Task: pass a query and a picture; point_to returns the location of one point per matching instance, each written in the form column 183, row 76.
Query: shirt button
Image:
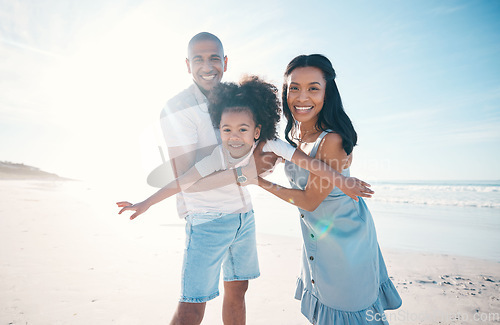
column 311, row 258
column 312, row 281
column 302, row 216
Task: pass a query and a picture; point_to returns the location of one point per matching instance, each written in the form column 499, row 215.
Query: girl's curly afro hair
column 252, row 94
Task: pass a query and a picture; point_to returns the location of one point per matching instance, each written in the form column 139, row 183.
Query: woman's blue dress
column 343, row 278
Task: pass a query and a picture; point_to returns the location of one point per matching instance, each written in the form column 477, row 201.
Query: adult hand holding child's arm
column 264, row 161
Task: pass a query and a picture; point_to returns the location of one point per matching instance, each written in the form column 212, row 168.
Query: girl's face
column 238, row 132
column 306, row 93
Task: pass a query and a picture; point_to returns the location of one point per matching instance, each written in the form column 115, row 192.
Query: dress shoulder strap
column 318, row 141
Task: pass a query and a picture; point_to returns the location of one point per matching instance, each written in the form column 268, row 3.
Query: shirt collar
column 201, row 99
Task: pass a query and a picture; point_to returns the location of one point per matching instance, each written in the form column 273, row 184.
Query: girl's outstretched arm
column 184, row 181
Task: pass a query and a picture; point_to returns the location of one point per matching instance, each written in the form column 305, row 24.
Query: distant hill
column 9, row 170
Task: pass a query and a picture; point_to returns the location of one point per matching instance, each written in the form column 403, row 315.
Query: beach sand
column 66, row 257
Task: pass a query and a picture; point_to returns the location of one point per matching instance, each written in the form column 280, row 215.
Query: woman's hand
column 139, row 208
column 353, row 187
column 264, row 161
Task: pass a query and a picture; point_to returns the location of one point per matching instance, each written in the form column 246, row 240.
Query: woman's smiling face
column 306, row 93
column 238, row 131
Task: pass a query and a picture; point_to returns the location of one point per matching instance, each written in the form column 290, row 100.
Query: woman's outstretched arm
column 351, row 186
column 332, row 154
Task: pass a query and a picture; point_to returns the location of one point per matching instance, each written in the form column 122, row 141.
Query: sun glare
column 113, row 84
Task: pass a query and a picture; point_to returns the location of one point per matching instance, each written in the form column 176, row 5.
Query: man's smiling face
column 207, row 63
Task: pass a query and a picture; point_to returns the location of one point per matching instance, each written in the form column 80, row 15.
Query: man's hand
column 353, row 187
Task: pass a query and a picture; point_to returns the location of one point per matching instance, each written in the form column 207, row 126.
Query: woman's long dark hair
column 332, row 115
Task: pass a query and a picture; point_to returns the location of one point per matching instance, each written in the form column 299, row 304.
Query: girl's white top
column 220, row 159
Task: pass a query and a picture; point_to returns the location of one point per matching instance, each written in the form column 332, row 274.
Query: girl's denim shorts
column 215, row 240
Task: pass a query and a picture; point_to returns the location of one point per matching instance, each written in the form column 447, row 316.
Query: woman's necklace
column 304, row 134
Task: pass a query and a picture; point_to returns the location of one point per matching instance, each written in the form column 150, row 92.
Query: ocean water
column 443, row 217
column 476, row 194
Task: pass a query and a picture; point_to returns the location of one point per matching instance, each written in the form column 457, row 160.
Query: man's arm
column 182, row 158
column 180, row 131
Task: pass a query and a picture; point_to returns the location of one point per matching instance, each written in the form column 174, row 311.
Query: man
column 190, row 136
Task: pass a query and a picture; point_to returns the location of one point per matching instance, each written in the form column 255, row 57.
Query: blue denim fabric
column 214, row 240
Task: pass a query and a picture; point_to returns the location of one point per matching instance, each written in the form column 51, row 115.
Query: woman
column 343, row 279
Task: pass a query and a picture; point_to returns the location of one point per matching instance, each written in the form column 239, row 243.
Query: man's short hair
column 204, row 36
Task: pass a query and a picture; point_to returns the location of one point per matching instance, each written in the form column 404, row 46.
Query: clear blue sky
column 82, row 82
